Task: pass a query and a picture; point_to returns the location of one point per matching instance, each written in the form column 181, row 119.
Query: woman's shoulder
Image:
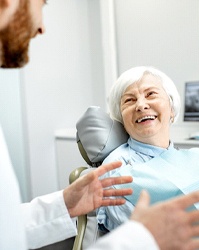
column 118, row 154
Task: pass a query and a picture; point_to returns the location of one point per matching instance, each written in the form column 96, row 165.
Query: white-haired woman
column 146, row 102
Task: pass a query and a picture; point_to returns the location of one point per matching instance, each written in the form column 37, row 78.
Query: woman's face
column 146, row 111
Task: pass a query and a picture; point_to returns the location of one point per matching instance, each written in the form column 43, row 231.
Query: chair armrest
column 82, row 220
column 74, row 175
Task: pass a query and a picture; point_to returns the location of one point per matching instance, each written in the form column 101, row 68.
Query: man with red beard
column 51, row 218
column 16, row 35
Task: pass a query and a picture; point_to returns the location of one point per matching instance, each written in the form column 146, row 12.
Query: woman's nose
column 142, row 105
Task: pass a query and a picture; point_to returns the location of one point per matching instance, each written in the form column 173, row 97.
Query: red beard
column 15, row 38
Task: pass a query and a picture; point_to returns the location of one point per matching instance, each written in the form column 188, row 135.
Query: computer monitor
column 191, row 102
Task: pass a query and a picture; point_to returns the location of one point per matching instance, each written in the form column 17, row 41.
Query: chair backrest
column 97, row 136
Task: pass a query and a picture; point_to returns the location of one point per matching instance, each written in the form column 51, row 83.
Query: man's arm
column 51, row 218
column 166, row 226
column 171, row 225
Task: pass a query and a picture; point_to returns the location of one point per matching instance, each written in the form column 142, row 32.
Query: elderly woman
column 146, row 102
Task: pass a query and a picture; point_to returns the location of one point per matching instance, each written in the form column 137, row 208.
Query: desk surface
column 180, row 135
column 177, row 138
column 186, row 142
column 68, row 133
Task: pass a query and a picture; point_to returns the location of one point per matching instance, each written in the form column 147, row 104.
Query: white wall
column 63, row 78
column 160, row 33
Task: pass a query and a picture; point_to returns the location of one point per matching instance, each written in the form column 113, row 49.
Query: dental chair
column 97, row 136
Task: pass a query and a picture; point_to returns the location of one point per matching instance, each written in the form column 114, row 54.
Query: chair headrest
column 98, row 135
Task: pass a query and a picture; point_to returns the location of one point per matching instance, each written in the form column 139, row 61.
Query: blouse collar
column 147, row 149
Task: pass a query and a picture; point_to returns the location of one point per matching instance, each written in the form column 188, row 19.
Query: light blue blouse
column 134, row 151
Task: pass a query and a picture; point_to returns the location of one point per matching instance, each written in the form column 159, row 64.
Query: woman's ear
column 172, row 115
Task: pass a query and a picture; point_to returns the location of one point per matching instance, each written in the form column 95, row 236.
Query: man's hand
column 88, row 192
column 171, row 225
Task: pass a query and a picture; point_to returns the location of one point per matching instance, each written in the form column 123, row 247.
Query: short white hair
column 133, row 75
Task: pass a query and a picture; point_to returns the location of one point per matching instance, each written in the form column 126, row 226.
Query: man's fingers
column 195, row 230
column 117, row 192
column 144, row 200
column 107, row 182
column 193, row 217
column 107, row 167
column 113, row 202
column 194, row 244
column 187, row 200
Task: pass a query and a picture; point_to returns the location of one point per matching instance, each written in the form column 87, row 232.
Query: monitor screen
column 191, row 104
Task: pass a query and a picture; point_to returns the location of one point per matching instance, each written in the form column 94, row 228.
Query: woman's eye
column 128, row 100
column 150, row 93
